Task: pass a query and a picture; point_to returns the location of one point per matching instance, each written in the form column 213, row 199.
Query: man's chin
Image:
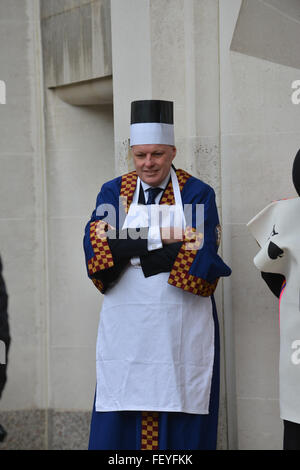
column 152, row 179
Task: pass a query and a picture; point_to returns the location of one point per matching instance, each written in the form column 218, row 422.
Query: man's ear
column 174, row 152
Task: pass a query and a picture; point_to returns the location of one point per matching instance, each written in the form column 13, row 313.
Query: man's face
column 153, row 162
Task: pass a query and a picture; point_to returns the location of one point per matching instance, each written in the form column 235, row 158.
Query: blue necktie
column 152, row 193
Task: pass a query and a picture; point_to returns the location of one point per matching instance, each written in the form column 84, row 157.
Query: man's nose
column 149, row 160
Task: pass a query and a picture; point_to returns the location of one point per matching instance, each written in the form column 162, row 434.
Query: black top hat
column 152, row 111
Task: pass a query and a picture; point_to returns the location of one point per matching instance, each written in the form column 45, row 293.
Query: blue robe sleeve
column 107, row 249
column 198, row 266
column 100, row 265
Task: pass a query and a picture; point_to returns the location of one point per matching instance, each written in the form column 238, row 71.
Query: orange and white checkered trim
column 149, row 440
column 168, row 196
column 102, row 258
column 179, row 275
column 99, row 284
column 128, row 186
column 182, row 177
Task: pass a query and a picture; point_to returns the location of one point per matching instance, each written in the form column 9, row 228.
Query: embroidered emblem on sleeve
column 218, row 234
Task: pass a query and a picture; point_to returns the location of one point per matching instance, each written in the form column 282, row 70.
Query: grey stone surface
column 25, row 429
column 265, row 31
column 55, row 7
column 68, row 430
column 76, row 41
column 45, row 430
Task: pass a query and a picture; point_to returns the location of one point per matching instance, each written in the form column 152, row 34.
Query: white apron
column 155, row 345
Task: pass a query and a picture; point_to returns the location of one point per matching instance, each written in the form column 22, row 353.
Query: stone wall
column 236, row 128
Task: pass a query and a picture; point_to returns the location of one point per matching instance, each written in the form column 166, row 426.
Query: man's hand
column 171, row 235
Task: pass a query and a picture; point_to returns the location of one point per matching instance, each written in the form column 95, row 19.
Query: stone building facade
column 70, row 70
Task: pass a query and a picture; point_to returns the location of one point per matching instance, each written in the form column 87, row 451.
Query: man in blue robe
column 158, row 338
